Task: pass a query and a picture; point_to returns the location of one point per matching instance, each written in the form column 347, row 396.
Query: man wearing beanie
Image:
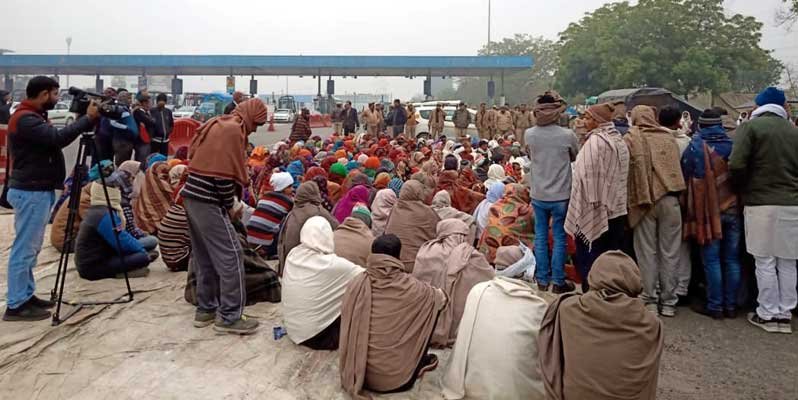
column 764, row 171
column 712, row 217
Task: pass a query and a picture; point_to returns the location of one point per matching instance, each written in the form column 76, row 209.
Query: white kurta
column 772, row 231
column 496, row 356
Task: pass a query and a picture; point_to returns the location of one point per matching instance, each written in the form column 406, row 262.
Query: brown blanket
column 387, row 318
column 353, row 241
column 413, row 221
column 603, row 344
column 153, row 202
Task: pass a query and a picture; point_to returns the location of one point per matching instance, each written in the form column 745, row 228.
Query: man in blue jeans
column 37, row 170
column 551, row 149
column 713, row 217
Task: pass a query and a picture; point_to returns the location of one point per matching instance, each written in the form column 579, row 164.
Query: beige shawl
column 381, row 208
column 412, row 221
column 603, row 344
column 353, row 241
column 449, row 262
column 496, row 355
column 442, row 205
column 387, row 318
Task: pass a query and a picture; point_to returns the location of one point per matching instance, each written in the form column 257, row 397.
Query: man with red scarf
column 37, row 170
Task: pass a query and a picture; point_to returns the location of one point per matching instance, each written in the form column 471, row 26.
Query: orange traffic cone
column 271, row 124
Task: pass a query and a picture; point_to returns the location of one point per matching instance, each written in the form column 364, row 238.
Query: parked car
column 60, row 115
column 184, row 112
column 206, row 111
column 283, row 115
column 424, row 112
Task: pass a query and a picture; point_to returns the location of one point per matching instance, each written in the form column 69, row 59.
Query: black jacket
column 5, row 113
column 35, row 148
column 349, row 118
column 230, row 107
column 142, row 117
column 164, row 122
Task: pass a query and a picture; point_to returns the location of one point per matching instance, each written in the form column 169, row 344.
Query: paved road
column 261, row 137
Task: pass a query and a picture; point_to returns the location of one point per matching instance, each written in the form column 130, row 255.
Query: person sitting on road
column 314, row 283
column 101, row 252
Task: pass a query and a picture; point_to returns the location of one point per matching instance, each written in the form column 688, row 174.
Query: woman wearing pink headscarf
column 343, row 209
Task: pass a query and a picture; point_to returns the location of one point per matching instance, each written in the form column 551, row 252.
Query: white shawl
column 314, row 282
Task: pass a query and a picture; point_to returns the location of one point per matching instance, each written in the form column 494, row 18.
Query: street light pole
column 69, row 46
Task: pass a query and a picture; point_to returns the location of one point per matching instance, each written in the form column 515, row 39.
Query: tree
column 687, row 46
column 788, row 16
column 519, row 87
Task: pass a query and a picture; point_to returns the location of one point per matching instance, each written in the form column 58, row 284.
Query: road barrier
column 316, row 121
column 182, row 133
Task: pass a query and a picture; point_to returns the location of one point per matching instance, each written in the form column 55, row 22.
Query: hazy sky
column 310, row 27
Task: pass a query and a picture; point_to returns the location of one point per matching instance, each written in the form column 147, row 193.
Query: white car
column 424, row 112
column 184, row 112
column 60, row 115
column 283, row 115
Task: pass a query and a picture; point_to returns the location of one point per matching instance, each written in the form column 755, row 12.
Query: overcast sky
column 310, row 27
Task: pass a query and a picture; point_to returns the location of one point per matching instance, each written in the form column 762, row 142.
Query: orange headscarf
column 219, row 147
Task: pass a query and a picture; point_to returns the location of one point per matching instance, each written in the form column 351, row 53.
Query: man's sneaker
column 203, row 318
column 653, row 308
column 543, row 288
column 785, row 325
column 244, row 326
column 566, row 287
column 767, row 326
column 26, row 312
column 703, row 310
column 136, row 273
column 730, row 313
column 668, row 311
column 684, row 301
column 41, row 303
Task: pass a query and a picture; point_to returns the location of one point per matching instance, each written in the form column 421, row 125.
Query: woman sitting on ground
column 101, row 252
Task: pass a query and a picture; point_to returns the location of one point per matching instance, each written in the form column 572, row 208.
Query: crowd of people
column 383, row 244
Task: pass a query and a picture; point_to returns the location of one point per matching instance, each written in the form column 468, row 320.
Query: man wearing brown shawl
column 387, row 320
column 655, row 184
column 603, row 344
column 597, row 208
column 218, row 169
column 353, row 237
column 450, row 262
column 413, row 221
column 307, row 204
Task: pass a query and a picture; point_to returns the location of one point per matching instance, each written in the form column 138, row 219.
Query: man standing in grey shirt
column 551, row 150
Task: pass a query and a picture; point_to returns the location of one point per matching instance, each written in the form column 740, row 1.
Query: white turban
column 281, row 180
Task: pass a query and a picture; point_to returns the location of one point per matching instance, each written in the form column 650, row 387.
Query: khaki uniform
column 504, row 123
column 436, row 121
column 481, row 123
column 523, row 121
column 371, row 119
column 410, row 125
column 491, row 119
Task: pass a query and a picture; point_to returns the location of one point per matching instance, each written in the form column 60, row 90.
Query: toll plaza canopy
column 263, row 65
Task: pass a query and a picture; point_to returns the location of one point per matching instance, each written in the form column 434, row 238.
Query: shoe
column 430, row 364
column 767, row 326
column 136, row 273
column 153, row 255
column 785, row 325
column 566, row 287
column 668, row 311
column 203, row 318
column 684, row 301
column 26, row 312
column 41, row 303
column 730, row 314
column 703, row 310
column 653, row 308
column 543, row 288
column 244, row 326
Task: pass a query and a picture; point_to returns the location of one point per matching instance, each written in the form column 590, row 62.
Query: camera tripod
column 86, row 148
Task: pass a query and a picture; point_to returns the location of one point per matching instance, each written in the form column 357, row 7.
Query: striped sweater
column 173, row 238
column 264, row 225
column 210, row 190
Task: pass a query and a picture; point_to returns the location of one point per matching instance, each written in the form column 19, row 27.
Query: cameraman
column 37, row 171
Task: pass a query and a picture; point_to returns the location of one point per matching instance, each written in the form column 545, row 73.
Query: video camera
column 106, row 105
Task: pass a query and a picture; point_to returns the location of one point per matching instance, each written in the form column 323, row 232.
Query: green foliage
column 521, row 87
column 687, row 46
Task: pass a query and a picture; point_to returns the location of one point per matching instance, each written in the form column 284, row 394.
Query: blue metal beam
column 262, row 65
